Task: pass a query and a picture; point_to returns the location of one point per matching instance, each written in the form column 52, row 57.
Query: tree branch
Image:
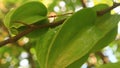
column 83, row 3
column 27, row 31
column 103, row 57
column 102, row 12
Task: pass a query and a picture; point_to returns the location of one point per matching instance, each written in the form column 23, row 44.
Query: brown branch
column 27, row 31
column 102, row 12
column 103, row 57
column 83, row 3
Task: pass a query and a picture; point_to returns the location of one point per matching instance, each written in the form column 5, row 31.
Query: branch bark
column 27, row 31
column 102, row 12
column 103, row 57
column 83, row 3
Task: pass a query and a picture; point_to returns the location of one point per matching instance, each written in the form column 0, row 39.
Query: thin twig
column 27, row 31
column 83, row 3
column 103, row 57
column 102, row 12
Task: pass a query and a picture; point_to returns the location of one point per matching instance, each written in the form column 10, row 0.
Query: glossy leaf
column 107, row 39
column 28, row 13
column 8, row 18
column 108, row 31
column 43, row 46
column 110, row 36
column 75, row 39
column 79, row 62
column 62, row 50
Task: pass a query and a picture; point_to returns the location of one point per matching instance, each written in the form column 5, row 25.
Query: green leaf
column 28, row 13
column 8, row 18
column 105, row 41
column 43, row 46
column 74, row 39
column 110, row 65
column 67, row 45
column 100, row 7
column 109, row 37
column 79, row 62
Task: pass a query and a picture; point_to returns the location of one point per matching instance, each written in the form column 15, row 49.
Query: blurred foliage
column 108, row 2
column 10, row 55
